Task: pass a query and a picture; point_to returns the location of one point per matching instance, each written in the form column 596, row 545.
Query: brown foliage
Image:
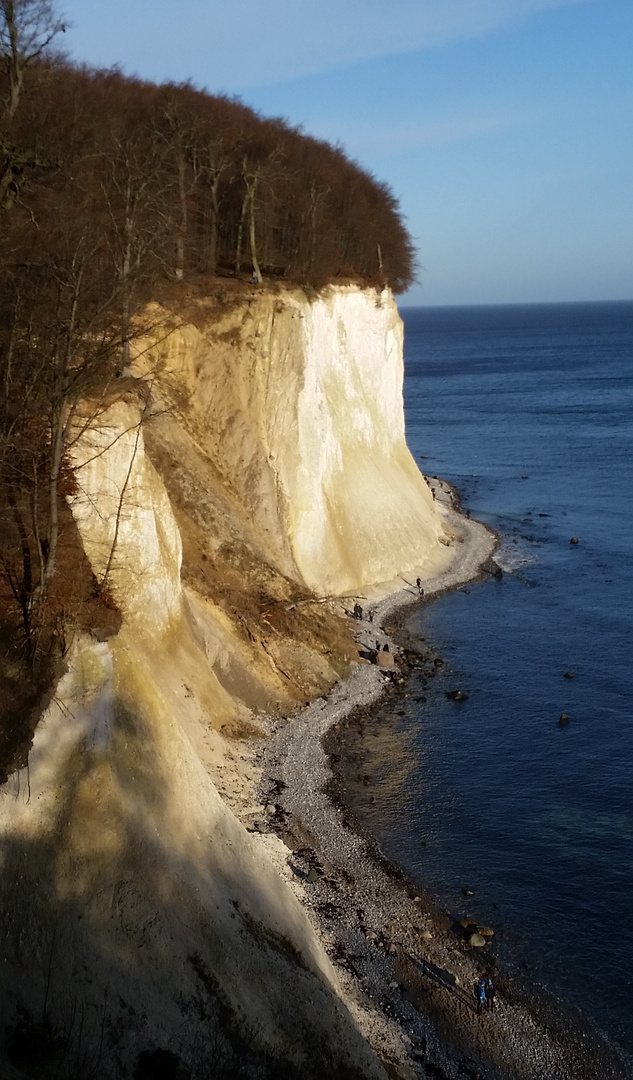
column 173, row 176
column 113, row 193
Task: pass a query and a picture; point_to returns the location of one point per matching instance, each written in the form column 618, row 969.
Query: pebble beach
column 407, row 970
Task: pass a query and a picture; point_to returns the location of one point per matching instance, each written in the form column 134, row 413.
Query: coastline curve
column 394, row 952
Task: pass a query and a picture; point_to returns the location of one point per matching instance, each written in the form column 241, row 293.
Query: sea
column 528, row 411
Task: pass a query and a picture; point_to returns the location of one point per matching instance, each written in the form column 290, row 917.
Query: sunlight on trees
column 113, row 193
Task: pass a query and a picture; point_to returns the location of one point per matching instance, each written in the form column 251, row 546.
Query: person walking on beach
column 480, row 994
column 490, row 993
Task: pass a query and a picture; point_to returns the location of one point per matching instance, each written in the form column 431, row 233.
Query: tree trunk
column 212, row 257
column 15, row 61
column 57, row 452
column 126, row 270
column 23, row 589
column 240, row 231
column 181, row 237
column 117, row 524
column 256, row 270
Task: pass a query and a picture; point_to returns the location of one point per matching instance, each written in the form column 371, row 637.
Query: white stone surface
column 125, row 519
column 299, row 404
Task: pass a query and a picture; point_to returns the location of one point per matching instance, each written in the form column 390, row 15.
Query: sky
column 504, row 127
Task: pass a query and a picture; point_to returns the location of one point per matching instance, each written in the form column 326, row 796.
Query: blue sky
column 504, row 127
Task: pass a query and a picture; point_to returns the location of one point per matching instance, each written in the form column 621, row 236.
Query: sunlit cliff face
column 268, row 440
column 299, row 404
column 359, row 511
column 124, row 517
column 259, row 451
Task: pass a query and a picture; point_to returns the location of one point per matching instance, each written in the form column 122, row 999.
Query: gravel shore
column 406, row 971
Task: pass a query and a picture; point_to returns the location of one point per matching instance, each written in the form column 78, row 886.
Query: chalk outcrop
column 299, row 404
column 256, row 457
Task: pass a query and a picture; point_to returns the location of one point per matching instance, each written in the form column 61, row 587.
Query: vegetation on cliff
column 114, row 193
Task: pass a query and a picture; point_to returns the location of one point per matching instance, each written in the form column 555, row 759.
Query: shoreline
column 404, row 974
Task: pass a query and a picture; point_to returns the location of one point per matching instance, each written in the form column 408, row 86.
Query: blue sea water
column 527, row 410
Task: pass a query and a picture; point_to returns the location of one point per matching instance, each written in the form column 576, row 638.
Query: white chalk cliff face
column 124, row 517
column 299, row 402
column 278, row 456
column 358, row 510
column 130, row 894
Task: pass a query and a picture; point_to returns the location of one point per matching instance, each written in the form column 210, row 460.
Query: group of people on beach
column 485, row 994
column 358, row 613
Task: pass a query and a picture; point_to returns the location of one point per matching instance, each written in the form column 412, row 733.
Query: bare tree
column 259, row 167
column 216, row 159
column 178, row 129
column 251, row 177
column 111, row 226
column 27, row 28
column 133, row 190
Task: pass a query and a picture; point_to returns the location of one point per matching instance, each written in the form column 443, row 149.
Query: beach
column 407, row 971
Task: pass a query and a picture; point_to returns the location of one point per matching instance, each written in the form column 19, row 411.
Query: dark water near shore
column 528, row 412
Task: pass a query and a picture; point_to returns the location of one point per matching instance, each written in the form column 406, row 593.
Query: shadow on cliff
column 123, row 957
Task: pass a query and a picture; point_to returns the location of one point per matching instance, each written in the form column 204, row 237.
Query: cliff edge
column 298, row 402
column 251, row 465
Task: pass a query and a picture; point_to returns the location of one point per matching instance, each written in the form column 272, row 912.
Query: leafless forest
column 114, row 193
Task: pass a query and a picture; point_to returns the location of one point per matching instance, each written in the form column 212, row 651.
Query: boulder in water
column 492, row 568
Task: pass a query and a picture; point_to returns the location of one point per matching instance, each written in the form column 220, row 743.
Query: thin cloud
column 259, row 42
column 306, row 39
column 368, row 138
column 363, row 140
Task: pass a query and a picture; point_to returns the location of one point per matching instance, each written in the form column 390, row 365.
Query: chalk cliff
column 255, row 457
column 299, row 404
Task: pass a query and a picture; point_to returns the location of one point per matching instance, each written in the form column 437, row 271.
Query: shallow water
column 527, row 410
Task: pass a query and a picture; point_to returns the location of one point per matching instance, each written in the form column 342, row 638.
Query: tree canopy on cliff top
column 114, row 193
column 184, row 183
